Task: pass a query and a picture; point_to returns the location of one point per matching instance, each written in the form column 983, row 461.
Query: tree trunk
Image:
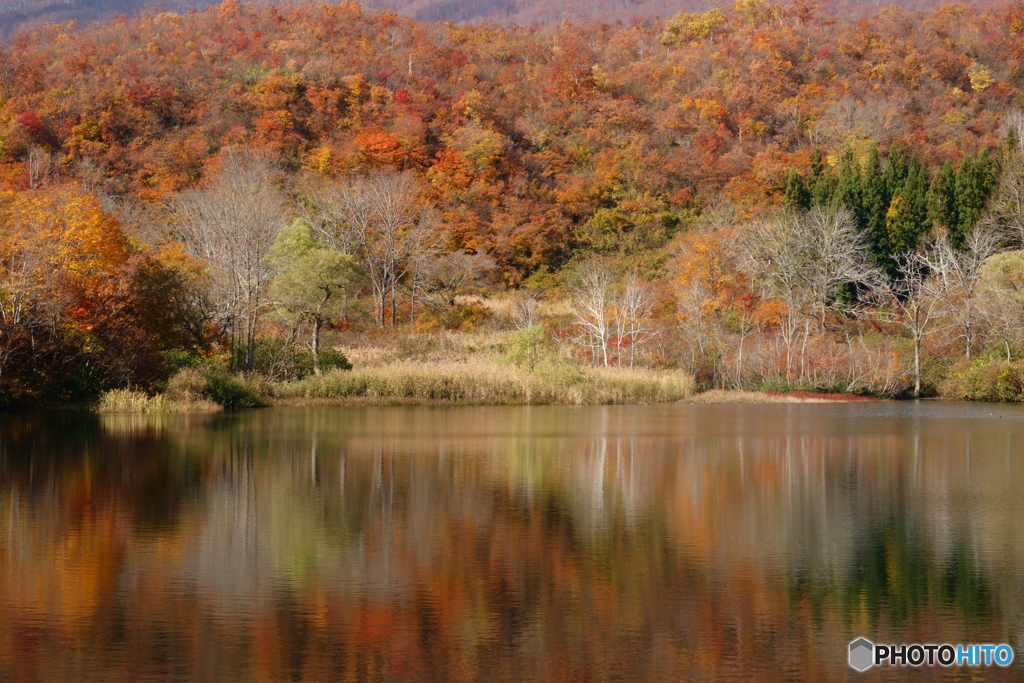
column 739, row 364
column 917, row 366
column 317, row 324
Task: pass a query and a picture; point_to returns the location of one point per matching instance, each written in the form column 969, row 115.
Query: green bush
column 279, row 361
column 212, row 383
column 231, row 392
column 529, row 346
column 986, row 380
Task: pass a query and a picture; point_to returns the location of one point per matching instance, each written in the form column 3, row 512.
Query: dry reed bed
column 480, row 381
column 132, row 401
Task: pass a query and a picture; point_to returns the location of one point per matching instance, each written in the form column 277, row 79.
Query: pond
column 631, row 543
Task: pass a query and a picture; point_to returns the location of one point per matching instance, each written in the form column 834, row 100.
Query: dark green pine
column 798, row 197
column 908, row 216
column 942, row 198
column 823, row 190
column 974, row 182
column 875, row 200
column 895, row 171
column 818, row 164
column 848, row 191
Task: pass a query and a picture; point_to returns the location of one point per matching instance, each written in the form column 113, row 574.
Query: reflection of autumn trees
column 506, row 544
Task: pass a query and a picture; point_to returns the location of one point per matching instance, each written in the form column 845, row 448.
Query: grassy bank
column 486, row 383
column 131, row 401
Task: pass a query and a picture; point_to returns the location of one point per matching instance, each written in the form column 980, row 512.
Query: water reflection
column 616, row 543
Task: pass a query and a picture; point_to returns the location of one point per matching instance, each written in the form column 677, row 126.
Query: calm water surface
column 668, row 543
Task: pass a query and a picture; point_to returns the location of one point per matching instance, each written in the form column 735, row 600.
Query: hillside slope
column 18, row 15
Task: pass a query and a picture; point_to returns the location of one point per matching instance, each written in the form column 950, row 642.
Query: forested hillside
column 494, row 159
column 19, row 15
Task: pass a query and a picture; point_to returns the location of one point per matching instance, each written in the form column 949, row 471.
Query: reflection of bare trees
column 324, row 543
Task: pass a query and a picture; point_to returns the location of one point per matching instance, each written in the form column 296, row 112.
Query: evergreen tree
column 895, row 171
column 974, row 181
column 822, row 183
column 907, row 217
column 942, row 198
column 798, row 197
column 817, row 163
column 1012, row 140
column 875, row 199
column 848, row 188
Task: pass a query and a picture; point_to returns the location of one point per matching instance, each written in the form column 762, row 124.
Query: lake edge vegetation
column 224, row 208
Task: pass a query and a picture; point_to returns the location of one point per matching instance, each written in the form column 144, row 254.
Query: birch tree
column 230, row 225
column 914, row 302
column 379, row 219
column 957, row 274
column 591, row 303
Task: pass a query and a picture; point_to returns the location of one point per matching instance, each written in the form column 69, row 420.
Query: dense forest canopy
column 534, row 142
column 529, row 149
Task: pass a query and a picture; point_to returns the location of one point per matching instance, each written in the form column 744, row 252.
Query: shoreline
column 711, row 397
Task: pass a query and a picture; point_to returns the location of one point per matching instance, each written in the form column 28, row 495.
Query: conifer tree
column 973, row 185
column 907, row 217
column 817, row 163
column 942, row 198
column 822, row 183
column 797, row 197
column 848, row 188
column 875, row 200
column 896, row 170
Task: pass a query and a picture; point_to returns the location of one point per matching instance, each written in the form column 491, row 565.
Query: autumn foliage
column 538, row 147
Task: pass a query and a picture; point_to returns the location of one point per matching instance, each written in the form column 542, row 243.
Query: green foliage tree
column 974, row 183
column 942, row 198
column 313, row 282
column 875, row 201
column 529, row 346
column 907, row 218
column 797, row 195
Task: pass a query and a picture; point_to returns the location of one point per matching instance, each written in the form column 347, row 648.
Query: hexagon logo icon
column 862, row 654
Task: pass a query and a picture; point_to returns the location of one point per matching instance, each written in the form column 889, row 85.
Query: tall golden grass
column 489, row 382
column 132, row 401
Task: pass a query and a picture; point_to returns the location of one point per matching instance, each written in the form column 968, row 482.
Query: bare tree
column 525, row 311
column 379, row 219
column 230, row 225
column 633, row 310
column 958, row 273
column 1005, row 212
column 38, row 166
column 913, row 301
column 802, row 259
column 443, row 277
column 592, row 303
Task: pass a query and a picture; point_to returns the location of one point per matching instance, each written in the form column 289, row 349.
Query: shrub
column 986, row 380
column 212, row 383
column 280, row 361
column 529, row 346
column 188, row 384
column 231, row 392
